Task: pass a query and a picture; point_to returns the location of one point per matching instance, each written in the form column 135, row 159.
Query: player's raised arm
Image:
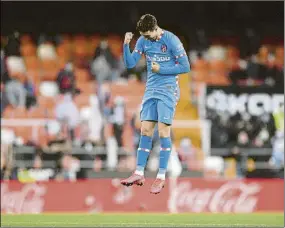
column 182, row 63
column 131, row 59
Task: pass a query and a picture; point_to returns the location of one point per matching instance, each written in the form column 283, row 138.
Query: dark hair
column 146, row 23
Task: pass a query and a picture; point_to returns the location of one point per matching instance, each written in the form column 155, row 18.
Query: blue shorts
column 159, row 105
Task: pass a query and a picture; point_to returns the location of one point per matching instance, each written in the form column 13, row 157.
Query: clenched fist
column 155, row 67
column 128, row 37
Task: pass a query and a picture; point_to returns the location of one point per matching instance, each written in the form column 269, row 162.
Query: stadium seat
column 62, row 61
column 80, row 50
column 115, row 44
column 25, row 39
column 263, row 54
column 38, row 112
column 279, row 52
column 32, row 62
column 63, row 50
column 33, row 68
column 232, row 52
column 49, row 69
column 28, row 49
column 46, row 102
column 279, row 55
column 87, row 87
column 81, row 75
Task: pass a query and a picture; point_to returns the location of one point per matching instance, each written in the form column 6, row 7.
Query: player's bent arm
column 181, row 67
column 131, row 59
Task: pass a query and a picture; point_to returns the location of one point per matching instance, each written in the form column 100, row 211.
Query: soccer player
column 166, row 58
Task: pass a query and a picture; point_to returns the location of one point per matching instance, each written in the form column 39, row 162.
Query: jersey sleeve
column 177, row 47
column 182, row 63
column 131, row 59
column 139, row 46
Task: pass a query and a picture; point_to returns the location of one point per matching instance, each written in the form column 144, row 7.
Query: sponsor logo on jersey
column 156, row 58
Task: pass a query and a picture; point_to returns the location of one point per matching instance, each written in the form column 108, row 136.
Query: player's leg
column 165, row 117
column 149, row 119
column 145, row 146
column 165, row 149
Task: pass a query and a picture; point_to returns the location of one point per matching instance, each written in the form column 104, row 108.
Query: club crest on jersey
column 163, row 48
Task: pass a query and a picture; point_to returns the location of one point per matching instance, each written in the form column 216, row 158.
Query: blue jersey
column 167, row 51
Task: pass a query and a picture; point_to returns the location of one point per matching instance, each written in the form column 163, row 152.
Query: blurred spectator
column 31, row 99
column 8, row 139
column 104, row 50
column 239, row 73
column 4, row 72
column 118, row 119
column 104, row 95
column 16, row 93
column 46, row 51
column 58, row 149
column 240, row 161
column 66, row 80
column 90, row 135
column 220, row 129
column 189, row 155
column 249, row 43
column 67, row 111
column 256, row 69
column 277, row 159
column 136, row 127
column 4, row 101
column 104, row 64
column 12, row 47
column 275, row 76
column 216, row 52
column 92, row 122
column 265, row 130
column 101, row 70
column 95, row 121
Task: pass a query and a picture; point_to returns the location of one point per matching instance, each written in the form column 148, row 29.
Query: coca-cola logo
column 236, row 196
column 29, row 199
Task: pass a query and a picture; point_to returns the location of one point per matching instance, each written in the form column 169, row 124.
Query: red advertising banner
column 107, row 195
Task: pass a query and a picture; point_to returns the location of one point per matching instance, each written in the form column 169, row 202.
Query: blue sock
column 143, row 153
column 164, row 154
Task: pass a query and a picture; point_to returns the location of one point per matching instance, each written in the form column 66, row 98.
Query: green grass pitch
column 145, row 220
